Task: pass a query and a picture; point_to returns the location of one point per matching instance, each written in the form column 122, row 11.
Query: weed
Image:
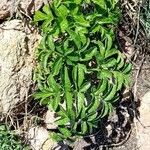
column 9, row 140
column 80, row 71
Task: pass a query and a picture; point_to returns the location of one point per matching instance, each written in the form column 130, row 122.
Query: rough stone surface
column 16, row 63
column 146, row 98
column 50, row 119
column 27, row 7
column 4, row 9
column 30, row 6
column 38, row 138
column 49, row 145
column 143, row 126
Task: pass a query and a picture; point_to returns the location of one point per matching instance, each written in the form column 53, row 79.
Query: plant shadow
column 114, row 130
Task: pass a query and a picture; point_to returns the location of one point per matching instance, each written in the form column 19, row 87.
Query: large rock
column 4, row 9
column 27, row 7
column 143, row 127
column 17, row 48
column 39, row 139
column 50, row 119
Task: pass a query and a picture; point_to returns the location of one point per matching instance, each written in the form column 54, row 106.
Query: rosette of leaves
column 80, row 72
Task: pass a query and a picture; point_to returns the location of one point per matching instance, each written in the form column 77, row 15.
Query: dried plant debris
column 145, row 16
column 131, row 34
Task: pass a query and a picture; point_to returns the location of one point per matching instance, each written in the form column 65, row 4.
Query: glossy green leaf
column 73, row 58
column 64, row 25
column 50, row 42
column 102, row 49
column 105, row 110
column 92, row 117
column 77, row 1
column 85, row 87
column 83, row 38
column 127, row 68
column 104, row 73
column 83, row 114
column 45, row 60
column 120, row 79
column 93, row 106
column 75, row 38
column 67, row 83
column 120, row 62
column 62, row 112
column 55, row 102
column 47, row 10
column 60, row 50
column 75, row 75
column 51, row 81
column 57, row 66
column 80, row 101
column 109, row 42
column 110, row 63
column 68, row 94
column 39, row 16
column 110, row 53
column 47, row 16
column 85, row 46
column 62, row 11
column 111, row 94
column 65, row 132
column 69, row 100
column 84, row 127
column 39, row 95
column 116, row 98
column 81, row 20
column 103, row 21
column 56, row 3
column 127, row 80
column 80, row 74
column 62, row 121
column 102, row 87
column 101, row 3
column 90, row 55
column 57, row 137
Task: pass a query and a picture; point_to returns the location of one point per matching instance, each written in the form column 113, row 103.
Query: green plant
column 80, row 71
column 9, row 140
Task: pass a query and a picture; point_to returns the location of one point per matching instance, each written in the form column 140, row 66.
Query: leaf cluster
column 9, row 140
column 80, row 71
